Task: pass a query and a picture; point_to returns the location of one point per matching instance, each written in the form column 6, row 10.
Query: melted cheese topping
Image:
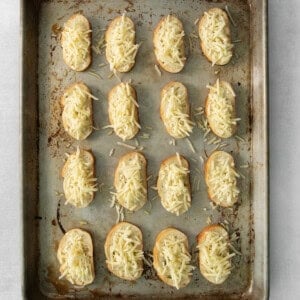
column 76, row 42
column 77, row 112
column 79, row 181
column 222, row 183
column 215, row 258
column 76, row 263
column 175, row 261
column 123, row 109
column 221, row 110
column 169, row 48
column 131, row 190
column 175, row 114
column 125, row 254
column 175, row 193
column 120, row 44
column 215, row 36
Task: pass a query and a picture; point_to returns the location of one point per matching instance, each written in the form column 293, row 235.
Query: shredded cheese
column 131, row 189
column 215, row 258
column 79, row 182
column 124, row 254
column 123, row 111
column 215, row 36
column 174, row 190
column 221, row 179
column 176, row 111
column 76, row 262
column 175, row 261
column 120, row 47
column 169, row 44
column 76, row 42
column 77, row 112
column 220, row 109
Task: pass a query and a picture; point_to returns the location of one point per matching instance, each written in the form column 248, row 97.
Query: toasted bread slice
column 124, row 251
column 123, row 111
column 215, row 37
column 121, row 49
column 77, row 115
column 76, row 42
column 168, row 40
column 175, row 110
column 131, row 181
column 75, row 255
column 214, row 255
column 220, row 178
column 171, row 258
column 220, row 109
column 173, row 184
column 79, row 182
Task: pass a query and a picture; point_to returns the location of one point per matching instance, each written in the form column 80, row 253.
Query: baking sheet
column 53, row 76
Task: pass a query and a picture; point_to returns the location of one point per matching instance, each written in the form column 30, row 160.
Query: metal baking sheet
column 44, row 77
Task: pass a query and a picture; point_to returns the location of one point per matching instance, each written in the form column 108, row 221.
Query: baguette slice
column 173, row 184
column 175, row 110
column 121, row 49
column 76, row 42
column 75, row 255
column 169, row 44
column 131, row 181
column 214, row 255
column 79, row 182
column 215, row 37
column 220, row 109
column 124, row 251
column 171, row 258
column 220, row 178
column 77, row 115
column 123, row 111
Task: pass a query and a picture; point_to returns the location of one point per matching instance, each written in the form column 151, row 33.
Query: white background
column 284, row 112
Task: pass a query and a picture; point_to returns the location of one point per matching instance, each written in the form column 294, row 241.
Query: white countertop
column 284, row 103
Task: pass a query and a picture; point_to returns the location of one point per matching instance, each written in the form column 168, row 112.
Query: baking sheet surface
column 99, row 217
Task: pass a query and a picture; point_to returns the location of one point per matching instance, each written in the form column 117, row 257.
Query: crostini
column 75, row 255
column 175, row 110
column 79, row 181
column 76, row 42
column 171, row 258
column 124, row 251
column 215, row 37
column 221, row 179
column 173, row 184
column 168, row 40
column 214, row 255
column 131, row 181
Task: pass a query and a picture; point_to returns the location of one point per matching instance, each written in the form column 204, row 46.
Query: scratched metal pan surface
column 44, row 142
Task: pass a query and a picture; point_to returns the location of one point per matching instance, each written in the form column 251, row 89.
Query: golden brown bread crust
column 88, row 239
column 163, row 105
column 89, row 156
column 156, row 251
column 160, row 183
column 143, row 161
column 111, row 96
column 207, row 166
column 108, row 243
column 108, row 33
column 82, row 86
column 88, row 61
column 227, row 31
column 167, row 67
column 212, row 125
